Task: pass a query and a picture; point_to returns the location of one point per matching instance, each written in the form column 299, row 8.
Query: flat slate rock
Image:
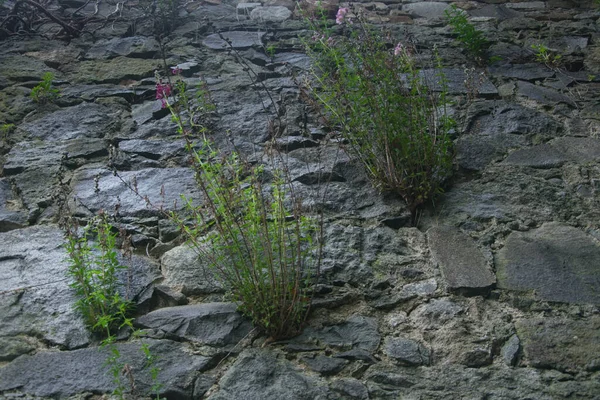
column 60, row 374
column 426, row 9
column 561, row 344
column 541, row 156
column 406, row 351
column 173, row 181
column 357, row 332
column 270, row 14
column 579, row 149
column 455, row 81
column 542, row 94
column 557, row 262
column 215, row 324
column 260, row 375
column 134, row 46
column 462, row 264
column 237, row 39
column 12, row 216
column 36, row 299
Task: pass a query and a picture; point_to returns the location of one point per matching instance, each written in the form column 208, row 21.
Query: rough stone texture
column 462, row 264
column 258, row 375
column 357, row 332
column 426, row 9
column 238, row 40
column 215, row 324
column 183, row 269
column 12, row 216
column 542, row 156
column 560, row 344
column 270, row 14
column 325, row 365
column 406, row 351
column 557, row 262
column 43, row 373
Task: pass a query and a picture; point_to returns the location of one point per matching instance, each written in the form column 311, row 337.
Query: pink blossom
column 175, row 70
column 163, row 90
column 341, row 15
column 399, row 49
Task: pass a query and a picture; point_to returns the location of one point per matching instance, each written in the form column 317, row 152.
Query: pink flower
column 341, row 15
column 175, row 70
column 399, row 49
column 163, row 90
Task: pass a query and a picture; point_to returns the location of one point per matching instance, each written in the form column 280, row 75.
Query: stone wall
column 494, row 295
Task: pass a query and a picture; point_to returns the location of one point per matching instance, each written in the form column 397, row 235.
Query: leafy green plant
column 6, row 130
column 546, row 56
column 250, row 227
column 93, row 268
column 385, row 108
column 472, row 39
column 44, row 92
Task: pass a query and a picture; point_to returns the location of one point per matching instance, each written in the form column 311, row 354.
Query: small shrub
column 546, row 56
column 6, row 130
column 93, row 268
column 472, row 39
column 44, row 92
column 385, row 107
column 250, row 227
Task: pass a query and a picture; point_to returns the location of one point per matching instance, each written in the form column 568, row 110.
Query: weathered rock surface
column 215, row 324
column 406, row 351
column 357, row 332
column 261, row 375
column 462, row 264
column 560, row 344
column 183, row 269
column 43, row 374
column 556, row 262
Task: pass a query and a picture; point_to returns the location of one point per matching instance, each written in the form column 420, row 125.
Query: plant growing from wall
column 249, row 226
column 44, row 92
column 546, row 56
column 385, row 107
column 473, row 40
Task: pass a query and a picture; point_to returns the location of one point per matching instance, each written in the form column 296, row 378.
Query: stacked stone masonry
column 494, row 295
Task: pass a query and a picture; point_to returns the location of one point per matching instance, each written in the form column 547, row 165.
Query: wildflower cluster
column 393, row 120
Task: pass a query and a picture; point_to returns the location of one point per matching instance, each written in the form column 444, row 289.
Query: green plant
column 44, row 92
column 546, row 56
column 6, row 130
column 93, row 268
column 385, row 107
column 250, row 227
column 472, row 39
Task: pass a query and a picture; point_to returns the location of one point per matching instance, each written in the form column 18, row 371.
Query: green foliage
column 6, row 130
column 250, row 228
column 93, row 268
column 472, row 39
column 546, row 56
column 44, row 92
column 386, row 109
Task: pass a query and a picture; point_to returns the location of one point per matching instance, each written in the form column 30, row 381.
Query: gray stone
column 87, row 120
column 500, row 12
column 184, row 269
column 13, row 347
column 154, row 149
column 455, row 79
column 477, row 358
column 543, row 95
column 527, row 5
column 357, row 332
column 36, row 299
column 237, row 39
column 133, row 46
column 260, row 375
column 435, row 312
column 560, row 344
column 426, row 9
column 542, row 156
column 418, row 289
column 324, row 365
column 12, row 214
column 172, row 182
column 350, row 388
column 462, row 264
column 510, row 350
column 475, row 152
column 527, row 72
column 578, row 149
column 406, row 351
column 357, row 355
column 557, row 262
column 270, row 14
column 214, row 324
column 60, row 374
